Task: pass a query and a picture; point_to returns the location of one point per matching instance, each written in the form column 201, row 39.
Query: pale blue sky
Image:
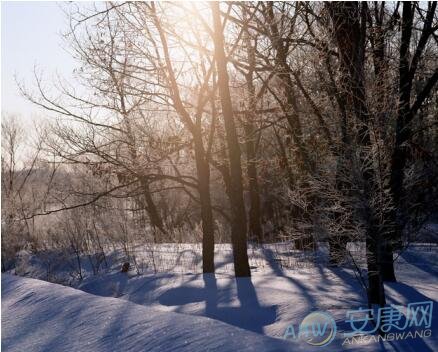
column 30, row 35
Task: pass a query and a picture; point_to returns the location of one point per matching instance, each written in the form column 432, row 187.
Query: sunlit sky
column 30, row 36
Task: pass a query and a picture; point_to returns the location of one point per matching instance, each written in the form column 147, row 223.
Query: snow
column 41, row 316
column 275, row 297
column 185, row 310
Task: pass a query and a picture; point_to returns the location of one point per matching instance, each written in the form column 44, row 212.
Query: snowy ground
column 275, row 296
column 41, row 316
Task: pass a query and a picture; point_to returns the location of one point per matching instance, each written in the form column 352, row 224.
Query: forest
column 269, row 131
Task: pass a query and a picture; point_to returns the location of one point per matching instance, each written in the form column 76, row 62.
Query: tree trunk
column 255, row 225
column 150, row 207
column 350, row 37
column 238, row 214
column 406, row 113
column 202, row 162
column 377, row 39
column 387, row 262
column 203, row 174
column 398, row 159
column 376, row 293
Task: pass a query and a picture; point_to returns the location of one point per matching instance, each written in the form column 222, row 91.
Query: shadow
column 276, row 267
column 182, row 295
column 413, row 345
column 417, row 261
column 250, row 315
column 211, row 299
column 111, row 285
column 349, row 279
column 409, row 293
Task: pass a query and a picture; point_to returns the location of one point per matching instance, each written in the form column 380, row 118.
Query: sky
column 30, row 36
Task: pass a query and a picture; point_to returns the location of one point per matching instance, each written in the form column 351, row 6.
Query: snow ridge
column 41, row 316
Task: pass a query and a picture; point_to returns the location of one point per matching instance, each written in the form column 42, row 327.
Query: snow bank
column 41, row 316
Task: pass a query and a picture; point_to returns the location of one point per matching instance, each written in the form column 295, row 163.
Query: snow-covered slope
column 40, row 316
column 271, row 299
column 132, row 312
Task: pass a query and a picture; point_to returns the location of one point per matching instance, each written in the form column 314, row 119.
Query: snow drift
column 40, row 316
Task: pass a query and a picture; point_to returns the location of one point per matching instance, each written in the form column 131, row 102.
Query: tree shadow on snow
column 250, row 315
column 418, row 261
column 278, row 270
